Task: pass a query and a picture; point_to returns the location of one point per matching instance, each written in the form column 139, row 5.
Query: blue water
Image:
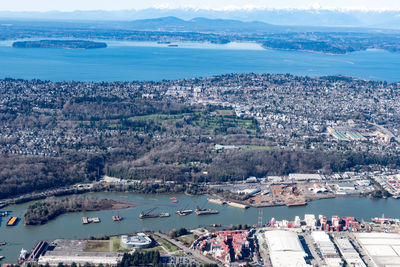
column 121, row 62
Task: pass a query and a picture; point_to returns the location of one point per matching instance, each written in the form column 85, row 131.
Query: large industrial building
column 349, row 254
column 138, row 241
column 73, row 251
column 382, row 248
column 285, row 249
column 305, row 176
column 327, row 249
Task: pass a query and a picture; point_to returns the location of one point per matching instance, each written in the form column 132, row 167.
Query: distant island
column 65, row 44
column 168, row 30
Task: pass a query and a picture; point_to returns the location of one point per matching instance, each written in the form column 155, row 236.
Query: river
column 70, row 226
column 128, row 61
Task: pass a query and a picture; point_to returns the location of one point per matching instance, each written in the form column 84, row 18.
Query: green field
column 166, row 244
column 156, row 248
column 159, row 118
column 97, row 246
column 204, row 121
column 187, row 239
column 116, row 241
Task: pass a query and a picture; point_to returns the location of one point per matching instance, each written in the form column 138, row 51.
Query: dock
column 216, row 201
column 38, row 250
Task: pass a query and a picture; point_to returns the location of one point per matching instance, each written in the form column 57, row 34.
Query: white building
column 248, row 191
column 297, row 221
column 141, row 240
column 327, row 249
column 382, row 248
column 350, row 255
column 285, row 249
column 304, row 176
column 310, row 220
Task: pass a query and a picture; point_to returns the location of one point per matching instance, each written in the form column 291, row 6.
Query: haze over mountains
column 298, row 17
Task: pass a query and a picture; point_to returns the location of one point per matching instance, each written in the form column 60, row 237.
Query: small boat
column 175, row 201
column 3, row 243
column 3, row 213
column 95, row 219
column 1, row 257
column 172, row 198
column 85, row 220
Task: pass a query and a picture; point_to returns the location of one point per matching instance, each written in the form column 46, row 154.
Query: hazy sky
column 70, row 5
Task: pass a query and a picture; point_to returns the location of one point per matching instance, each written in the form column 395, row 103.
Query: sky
column 72, row 5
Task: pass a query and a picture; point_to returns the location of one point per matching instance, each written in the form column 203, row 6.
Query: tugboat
column 23, row 256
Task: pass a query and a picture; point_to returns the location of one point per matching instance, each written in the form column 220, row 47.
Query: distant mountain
column 297, row 17
column 200, row 25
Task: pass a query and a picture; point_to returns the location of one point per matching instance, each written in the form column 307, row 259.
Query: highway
column 193, row 252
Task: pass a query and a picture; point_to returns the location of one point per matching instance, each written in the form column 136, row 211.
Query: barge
column 199, row 211
column 296, row 204
column 184, row 212
column 12, row 221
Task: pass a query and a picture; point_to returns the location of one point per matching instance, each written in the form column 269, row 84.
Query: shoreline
column 76, row 192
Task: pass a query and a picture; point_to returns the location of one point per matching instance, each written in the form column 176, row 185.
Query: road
column 263, row 249
column 317, row 261
column 194, row 253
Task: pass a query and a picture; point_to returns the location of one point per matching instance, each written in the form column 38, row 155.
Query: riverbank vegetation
column 43, row 211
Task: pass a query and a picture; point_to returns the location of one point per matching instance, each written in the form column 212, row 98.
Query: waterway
column 70, row 226
column 128, row 61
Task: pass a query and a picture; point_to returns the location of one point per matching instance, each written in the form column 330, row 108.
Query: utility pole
column 260, row 217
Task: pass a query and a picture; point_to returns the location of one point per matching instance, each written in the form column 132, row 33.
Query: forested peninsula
column 44, row 211
column 65, row 44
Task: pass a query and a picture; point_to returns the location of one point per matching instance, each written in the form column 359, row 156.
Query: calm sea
column 127, row 61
